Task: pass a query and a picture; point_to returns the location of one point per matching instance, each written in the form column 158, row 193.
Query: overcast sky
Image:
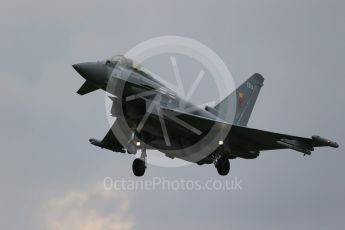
column 51, row 177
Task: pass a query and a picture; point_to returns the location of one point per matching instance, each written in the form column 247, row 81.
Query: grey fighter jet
column 149, row 115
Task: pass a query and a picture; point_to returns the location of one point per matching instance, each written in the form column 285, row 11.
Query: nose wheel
column 139, row 164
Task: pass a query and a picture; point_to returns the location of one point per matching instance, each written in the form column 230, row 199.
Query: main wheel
column 223, row 166
column 138, row 167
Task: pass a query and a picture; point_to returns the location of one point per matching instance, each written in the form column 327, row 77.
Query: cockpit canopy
column 123, row 61
column 127, row 63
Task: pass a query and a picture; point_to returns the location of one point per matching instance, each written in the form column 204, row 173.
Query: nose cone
column 92, row 71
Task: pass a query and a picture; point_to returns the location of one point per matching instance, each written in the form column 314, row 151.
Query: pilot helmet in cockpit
column 120, row 60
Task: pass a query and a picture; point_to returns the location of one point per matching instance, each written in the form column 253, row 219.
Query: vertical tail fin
column 243, row 98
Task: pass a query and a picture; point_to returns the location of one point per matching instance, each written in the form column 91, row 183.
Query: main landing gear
column 223, row 166
column 139, row 164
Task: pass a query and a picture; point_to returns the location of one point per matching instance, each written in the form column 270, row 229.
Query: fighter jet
column 149, row 115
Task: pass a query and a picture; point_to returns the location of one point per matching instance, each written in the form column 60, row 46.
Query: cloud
column 96, row 209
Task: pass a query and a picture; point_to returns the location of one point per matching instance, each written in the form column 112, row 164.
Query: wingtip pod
column 325, row 141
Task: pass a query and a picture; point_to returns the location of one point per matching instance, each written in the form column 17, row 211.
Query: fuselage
column 141, row 95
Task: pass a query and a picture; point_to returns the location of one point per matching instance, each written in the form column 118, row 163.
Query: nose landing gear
column 139, row 164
